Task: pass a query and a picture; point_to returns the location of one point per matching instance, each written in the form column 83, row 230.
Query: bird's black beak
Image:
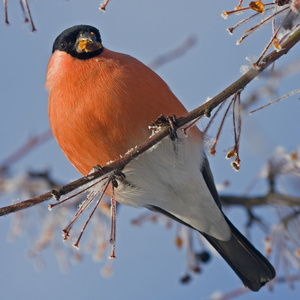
column 87, row 42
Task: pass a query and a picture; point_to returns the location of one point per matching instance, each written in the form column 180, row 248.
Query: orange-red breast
column 100, row 106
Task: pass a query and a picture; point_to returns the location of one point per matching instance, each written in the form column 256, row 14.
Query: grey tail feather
column 248, row 263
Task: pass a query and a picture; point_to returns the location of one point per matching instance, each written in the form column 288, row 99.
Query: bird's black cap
column 80, row 41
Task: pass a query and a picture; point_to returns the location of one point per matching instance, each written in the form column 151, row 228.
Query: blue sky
column 148, row 265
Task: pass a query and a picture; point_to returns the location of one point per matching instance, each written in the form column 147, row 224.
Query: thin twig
column 103, row 6
column 242, row 290
column 173, row 54
column 25, row 148
column 5, row 12
column 24, row 12
column 29, row 15
column 275, row 101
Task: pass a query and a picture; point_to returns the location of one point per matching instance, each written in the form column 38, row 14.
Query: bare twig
column 277, row 100
column 175, row 53
column 271, row 198
column 103, row 6
column 5, row 12
column 206, row 109
column 24, row 149
column 29, row 15
column 240, row 291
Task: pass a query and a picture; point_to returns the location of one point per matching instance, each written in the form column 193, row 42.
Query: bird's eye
column 63, row 46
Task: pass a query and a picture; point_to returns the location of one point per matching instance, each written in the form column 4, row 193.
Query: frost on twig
column 284, row 17
column 234, row 106
column 103, row 5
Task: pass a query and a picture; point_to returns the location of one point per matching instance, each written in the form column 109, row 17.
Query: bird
column 100, row 106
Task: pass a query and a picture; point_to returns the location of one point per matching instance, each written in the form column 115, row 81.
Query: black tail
column 249, row 264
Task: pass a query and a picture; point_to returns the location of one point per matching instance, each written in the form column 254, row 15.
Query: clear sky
column 148, row 265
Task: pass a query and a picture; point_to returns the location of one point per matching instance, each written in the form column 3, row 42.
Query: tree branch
column 206, row 109
column 271, row 198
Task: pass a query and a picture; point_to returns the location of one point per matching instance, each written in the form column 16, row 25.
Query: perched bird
column 100, row 106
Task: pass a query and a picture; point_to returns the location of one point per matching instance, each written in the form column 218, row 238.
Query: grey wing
column 209, row 180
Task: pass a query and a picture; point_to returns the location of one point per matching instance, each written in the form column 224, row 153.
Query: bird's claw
column 170, row 121
column 173, row 127
column 117, row 175
column 96, row 169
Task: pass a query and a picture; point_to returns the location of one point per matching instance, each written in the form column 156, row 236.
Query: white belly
column 168, row 176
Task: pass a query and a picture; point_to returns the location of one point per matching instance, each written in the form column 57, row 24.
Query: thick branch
column 206, row 109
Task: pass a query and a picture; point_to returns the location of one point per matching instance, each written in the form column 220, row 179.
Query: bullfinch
column 100, row 106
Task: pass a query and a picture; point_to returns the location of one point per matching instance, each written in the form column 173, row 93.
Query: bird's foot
column 118, row 175
column 95, row 169
column 170, row 121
